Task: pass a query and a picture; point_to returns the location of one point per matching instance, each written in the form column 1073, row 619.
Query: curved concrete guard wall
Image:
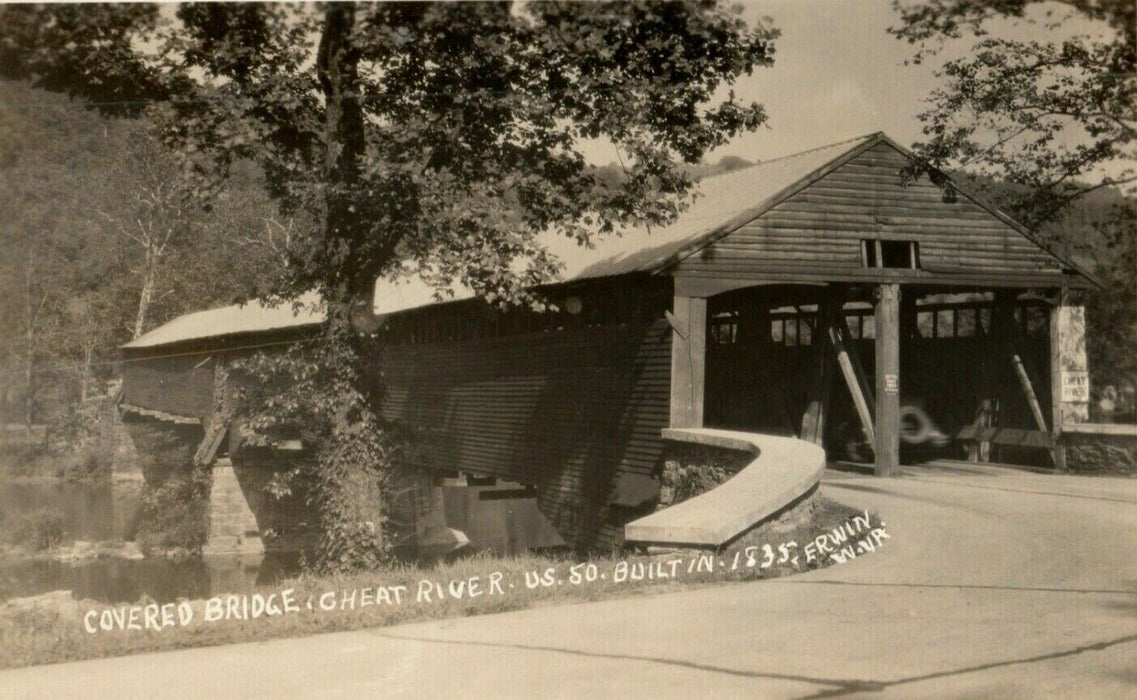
column 783, row 470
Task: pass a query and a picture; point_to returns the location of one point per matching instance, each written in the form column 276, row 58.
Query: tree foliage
column 1044, row 97
column 1112, row 312
column 436, row 139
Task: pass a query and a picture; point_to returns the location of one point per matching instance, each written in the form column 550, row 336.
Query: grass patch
column 55, row 633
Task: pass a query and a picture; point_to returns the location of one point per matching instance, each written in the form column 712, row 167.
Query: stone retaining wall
column 1106, row 450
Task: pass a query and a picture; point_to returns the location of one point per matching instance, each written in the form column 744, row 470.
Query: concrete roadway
column 994, row 584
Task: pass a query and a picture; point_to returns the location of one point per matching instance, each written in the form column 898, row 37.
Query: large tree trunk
column 85, row 379
column 352, row 498
column 29, row 382
column 338, row 66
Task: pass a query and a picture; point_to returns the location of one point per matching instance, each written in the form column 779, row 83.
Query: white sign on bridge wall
column 1075, row 386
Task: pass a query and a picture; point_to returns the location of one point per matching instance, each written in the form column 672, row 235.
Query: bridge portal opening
column 766, row 368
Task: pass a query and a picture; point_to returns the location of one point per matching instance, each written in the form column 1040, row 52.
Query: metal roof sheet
column 719, row 201
column 252, row 317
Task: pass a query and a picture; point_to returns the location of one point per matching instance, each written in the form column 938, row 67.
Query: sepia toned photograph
column 544, row 349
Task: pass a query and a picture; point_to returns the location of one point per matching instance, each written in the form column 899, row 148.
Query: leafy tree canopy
column 438, row 138
column 1039, row 103
column 1044, row 98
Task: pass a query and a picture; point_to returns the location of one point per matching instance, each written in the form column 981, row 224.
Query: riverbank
column 57, row 628
column 38, row 514
column 76, row 552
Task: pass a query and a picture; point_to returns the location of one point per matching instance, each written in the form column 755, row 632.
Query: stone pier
column 233, row 528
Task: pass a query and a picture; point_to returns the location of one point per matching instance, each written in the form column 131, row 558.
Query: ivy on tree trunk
column 351, row 501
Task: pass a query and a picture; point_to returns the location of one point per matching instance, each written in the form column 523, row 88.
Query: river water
column 102, row 513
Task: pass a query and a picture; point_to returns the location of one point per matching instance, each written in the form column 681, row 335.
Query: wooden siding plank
column 872, row 203
column 566, row 410
column 815, row 234
column 178, row 385
column 728, row 261
column 762, row 231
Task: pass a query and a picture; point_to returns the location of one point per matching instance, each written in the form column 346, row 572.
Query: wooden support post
column 988, row 408
column 848, row 359
column 1002, row 325
column 1059, row 453
column 813, row 420
column 887, row 316
column 688, row 361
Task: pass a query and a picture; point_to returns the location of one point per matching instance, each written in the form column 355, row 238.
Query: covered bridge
column 815, row 296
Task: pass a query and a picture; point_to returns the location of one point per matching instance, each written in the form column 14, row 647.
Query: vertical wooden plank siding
column 180, row 384
column 887, row 317
column 568, row 410
column 688, row 362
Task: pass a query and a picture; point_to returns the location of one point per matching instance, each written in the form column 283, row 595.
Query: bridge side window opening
column 859, row 320
column 899, row 255
column 793, row 326
column 724, row 328
column 972, row 320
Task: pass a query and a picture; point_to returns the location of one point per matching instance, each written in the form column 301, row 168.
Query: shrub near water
column 89, row 465
column 174, row 507
column 38, row 529
column 23, row 460
column 174, row 515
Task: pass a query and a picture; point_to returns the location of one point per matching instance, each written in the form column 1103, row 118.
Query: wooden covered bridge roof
column 797, row 218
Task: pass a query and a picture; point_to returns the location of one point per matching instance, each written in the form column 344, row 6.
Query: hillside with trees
column 98, row 245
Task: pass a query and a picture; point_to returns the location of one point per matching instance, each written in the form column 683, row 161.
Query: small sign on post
column 891, row 384
column 1075, row 386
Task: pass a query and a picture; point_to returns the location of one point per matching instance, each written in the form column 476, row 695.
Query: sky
column 837, row 74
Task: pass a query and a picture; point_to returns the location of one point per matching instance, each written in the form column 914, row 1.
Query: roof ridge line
column 862, row 137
